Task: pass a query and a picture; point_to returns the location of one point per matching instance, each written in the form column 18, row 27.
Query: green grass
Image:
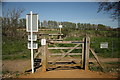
column 113, row 45
column 111, row 51
column 13, row 48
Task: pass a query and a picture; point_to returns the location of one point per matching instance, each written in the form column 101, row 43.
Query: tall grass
column 111, row 51
column 13, row 48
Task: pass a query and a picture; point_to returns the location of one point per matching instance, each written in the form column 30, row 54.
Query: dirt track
column 16, row 65
column 23, row 65
column 67, row 74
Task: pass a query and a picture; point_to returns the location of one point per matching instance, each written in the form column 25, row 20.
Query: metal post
column 32, row 61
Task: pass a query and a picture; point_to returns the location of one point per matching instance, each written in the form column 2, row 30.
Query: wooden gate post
column 82, row 66
column 44, row 55
column 87, row 47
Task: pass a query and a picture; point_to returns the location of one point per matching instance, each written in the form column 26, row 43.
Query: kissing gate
column 55, row 53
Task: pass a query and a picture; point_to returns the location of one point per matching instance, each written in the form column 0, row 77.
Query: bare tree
column 13, row 16
column 110, row 7
column 10, row 20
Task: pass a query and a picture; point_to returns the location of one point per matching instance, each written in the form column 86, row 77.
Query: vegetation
column 108, row 67
column 113, row 8
column 14, row 44
column 112, row 50
column 14, row 48
column 10, row 22
column 14, row 40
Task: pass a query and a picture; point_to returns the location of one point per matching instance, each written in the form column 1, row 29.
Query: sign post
column 44, row 55
column 32, row 26
column 32, row 60
column 60, row 26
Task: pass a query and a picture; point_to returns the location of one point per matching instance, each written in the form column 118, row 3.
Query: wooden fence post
column 82, row 66
column 87, row 47
column 44, row 55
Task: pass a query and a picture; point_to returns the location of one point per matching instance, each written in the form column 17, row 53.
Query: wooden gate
column 66, row 54
column 80, row 59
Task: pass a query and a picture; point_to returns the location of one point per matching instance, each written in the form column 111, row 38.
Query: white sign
column 35, row 46
column 104, row 45
column 34, row 37
column 34, row 23
column 60, row 26
column 43, row 41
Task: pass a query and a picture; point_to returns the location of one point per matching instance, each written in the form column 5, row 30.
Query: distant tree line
column 21, row 23
column 70, row 25
column 11, row 21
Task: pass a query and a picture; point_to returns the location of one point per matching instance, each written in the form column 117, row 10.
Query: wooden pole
column 44, row 56
column 96, row 57
column 87, row 46
column 44, row 59
column 82, row 66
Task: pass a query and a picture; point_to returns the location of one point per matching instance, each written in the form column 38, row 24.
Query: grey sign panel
column 35, row 45
column 34, row 23
column 104, row 45
column 34, row 37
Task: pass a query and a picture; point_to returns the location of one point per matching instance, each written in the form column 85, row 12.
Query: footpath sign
column 43, row 41
column 104, row 45
column 34, row 22
column 34, row 38
column 35, row 45
column 32, row 26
